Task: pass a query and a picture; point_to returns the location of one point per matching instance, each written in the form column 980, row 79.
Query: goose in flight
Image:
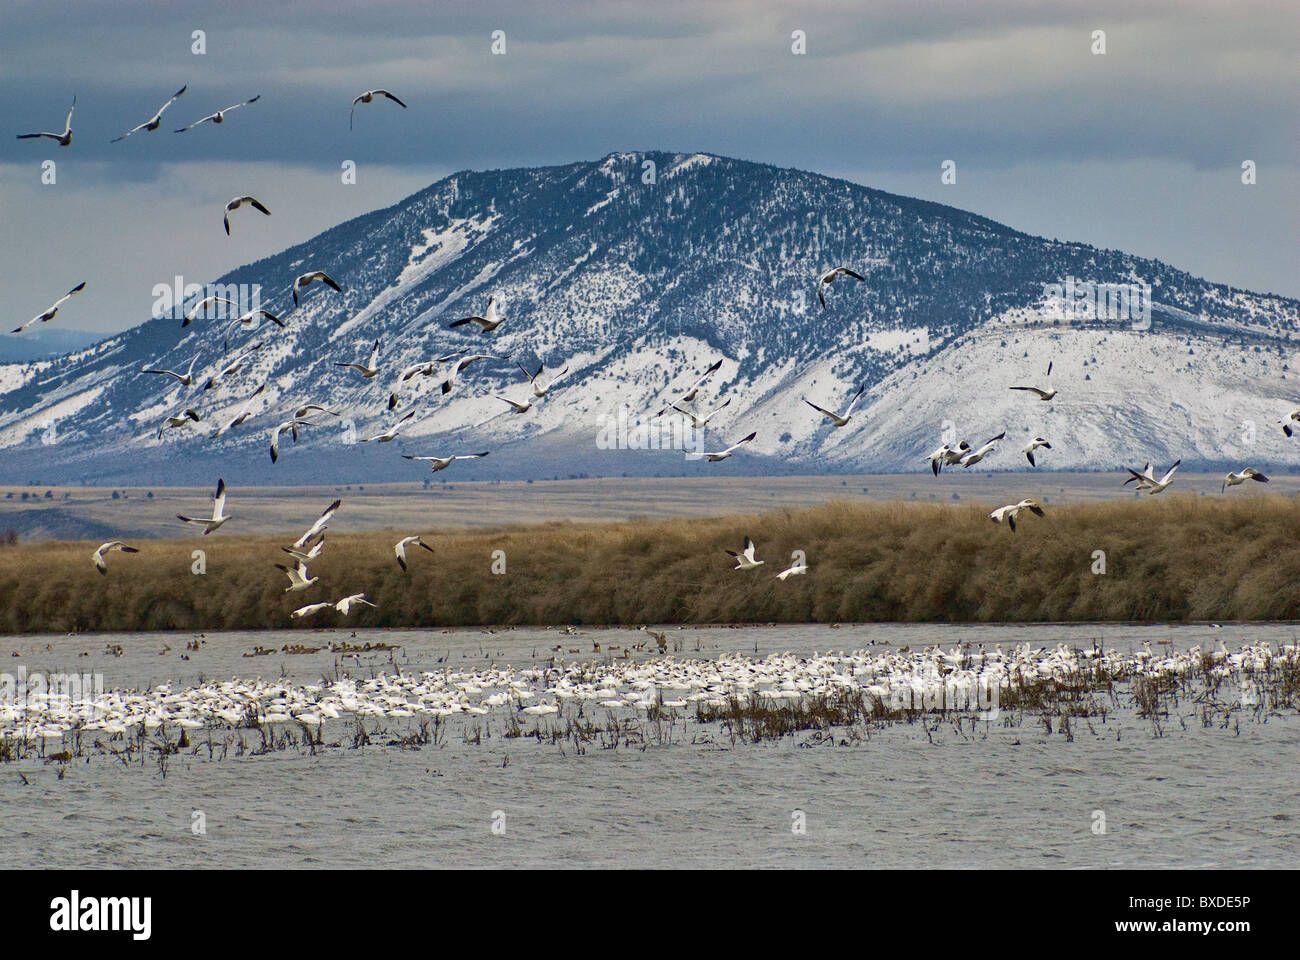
column 486, row 323
column 975, row 456
column 298, row 577
column 368, row 96
column 310, row 554
column 219, row 116
column 460, row 366
column 233, row 367
column 238, row 419
column 442, row 463
column 836, row 418
column 798, row 568
column 828, row 278
column 309, row 609
column 369, row 369
column 391, row 432
column 307, row 408
column 321, row 523
column 289, row 426
column 203, row 305
column 109, row 547
column 427, row 368
column 154, row 122
column 1011, row 510
column 1041, row 394
column 218, row 511
column 947, row 455
column 345, row 605
column 1147, row 481
column 186, row 379
column 539, row 391
column 1033, row 445
column 238, row 202
column 399, row 548
column 518, row 407
column 1293, row 417
column 1250, row 473
column 252, row 318
column 723, row 454
column 691, row 391
column 54, row 308
column 311, row 277
column 179, row 420
column 62, row 139
column 745, row 559
column 699, row 422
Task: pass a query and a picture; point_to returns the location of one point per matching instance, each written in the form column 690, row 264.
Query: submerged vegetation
column 1181, row 558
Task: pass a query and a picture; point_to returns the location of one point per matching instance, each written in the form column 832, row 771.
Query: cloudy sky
column 1139, row 149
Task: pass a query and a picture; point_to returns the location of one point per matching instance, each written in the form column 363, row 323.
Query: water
column 1003, row 796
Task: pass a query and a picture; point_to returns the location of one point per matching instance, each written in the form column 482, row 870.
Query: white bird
column 298, row 577
column 723, row 454
column 218, row 511
column 828, row 278
column 233, row 367
column 442, row 463
column 203, row 305
column 427, row 368
column 1041, row 394
column 518, row 407
column 947, row 455
column 399, row 548
column 310, row 554
column 219, row 116
column 1011, row 510
column 460, row 366
column 179, row 420
column 745, row 559
column 1146, row 480
column 54, row 308
column 310, row 277
column 311, row 608
column 307, row 408
column 251, row 319
column 154, row 122
column 697, row 421
column 368, row 96
column 837, row 418
column 238, row 419
column 345, row 605
column 369, row 369
column 795, row 569
column 62, row 139
column 107, row 548
column 186, row 379
column 1250, row 473
column 289, row 426
column 1034, row 444
column 1145, row 475
column 321, row 523
column 238, row 202
column 1293, row 417
column 975, row 456
column 690, row 393
column 486, row 323
column 391, row 432
column 538, row 391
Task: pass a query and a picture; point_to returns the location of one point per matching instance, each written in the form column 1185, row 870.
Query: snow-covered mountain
column 636, row 272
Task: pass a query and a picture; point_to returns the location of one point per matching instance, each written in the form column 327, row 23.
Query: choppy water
column 1005, row 796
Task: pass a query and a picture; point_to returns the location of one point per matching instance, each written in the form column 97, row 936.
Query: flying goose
column 1293, row 417
column 399, row 548
column 391, row 432
column 745, row 559
column 238, row 202
column 186, row 379
column 179, row 420
column 540, row 392
column 487, row 323
column 1011, row 510
column 368, row 96
column 427, row 368
column 795, row 569
column 1034, row 444
column 54, row 308
column 698, row 422
column 298, row 578
column 1041, row 394
column 723, row 454
column 1146, row 480
column 310, row 554
column 838, row 419
column 202, row 305
column 828, row 278
column 251, row 318
column 244, row 413
column 518, row 407
column 307, row 408
column 233, row 367
column 289, row 426
column 62, row 139
column 218, row 516
column 975, row 456
column 154, row 122
column 947, row 455
column 104, row 548
column 309, row 609
column 1233, row 479
column 311, row 277
column 690, row 393
column 442, row 463
column 321, row 523
column 219, row 116
column 345, row 605
column 460, row 366
column 369, row 369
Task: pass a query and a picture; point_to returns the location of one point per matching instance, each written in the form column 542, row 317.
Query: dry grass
column 1180, row 558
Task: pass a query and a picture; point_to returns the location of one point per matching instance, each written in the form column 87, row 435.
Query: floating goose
column 310, row 608
column 947, row 455
column 54, row 308
column 723, row 454
column 368, row 96
column 104, row 548
column 179, row 420
column 1034, row 444
column 186, row 379
column 1146, row 480
column 345, row 605
column 442, row 463
column 1250, row 473
column 975, row 456
column 321, row 523
column 690, row 393
column 202, row 305
column 795, row 569
column 1011, row 510
column 540, row 392
column 238, row 202
column 1040, row 393
column 62, row 139
column 460, row 366
column 399, row 548
column 311, row 277
column 289, row 426
column 233, row 367
column 391, row 432
column 828, row 278
column 154, row 122
column 745, row 559
column 370, row 369
column 487, row 323
column 838, row 419
column 518, row 407
column 238, row 419
column 298, row 578
column 219, row 116
column 699, row 422
column 218, row 516
column 1293, row 417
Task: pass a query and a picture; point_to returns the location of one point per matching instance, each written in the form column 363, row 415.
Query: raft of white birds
column 664, row 684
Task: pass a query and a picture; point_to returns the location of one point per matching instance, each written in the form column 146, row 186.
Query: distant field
column 74, row 513
column 1169, row 558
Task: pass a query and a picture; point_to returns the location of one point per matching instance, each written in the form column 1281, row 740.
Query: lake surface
column 910, row 795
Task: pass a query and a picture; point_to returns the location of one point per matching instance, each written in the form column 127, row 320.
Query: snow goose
column 179, row 420
column 53, row 309
column 691, row 391
column 367, row 97
column 203, row 305
column 1011, row 510
column 745, row 559
column 828, row 278
column 1147, row 481
column 321, row 523
column 795, row 569
column 345, row 605
column 1038, row 392
column 723, row 454
column 219, row 116
column 399, row 548
column 486, row 323
column 1250, row 473
column 539, row 391
column 186, row 378
column 233, row 367
column 218, row 511
column 309, row 609
column 515, row 405
column 310, row 277
column 289, row 426
column 947, row 455
column 154, row 122
column 62, row 139
column 1292, row 417
column 310, row 554
column 427, row 368
column 104, row 548
column 1033, row 445
column 975, row 456
column 698, row 422
column 298, row 577
column 839, row 419
column 370, row 368
column 389, row 434
column 460, row 366
column 442, row 463
column 307, row 408
column 238, row 202
column 238, row 419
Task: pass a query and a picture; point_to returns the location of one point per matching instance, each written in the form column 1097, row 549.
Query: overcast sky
column 1138, row 149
